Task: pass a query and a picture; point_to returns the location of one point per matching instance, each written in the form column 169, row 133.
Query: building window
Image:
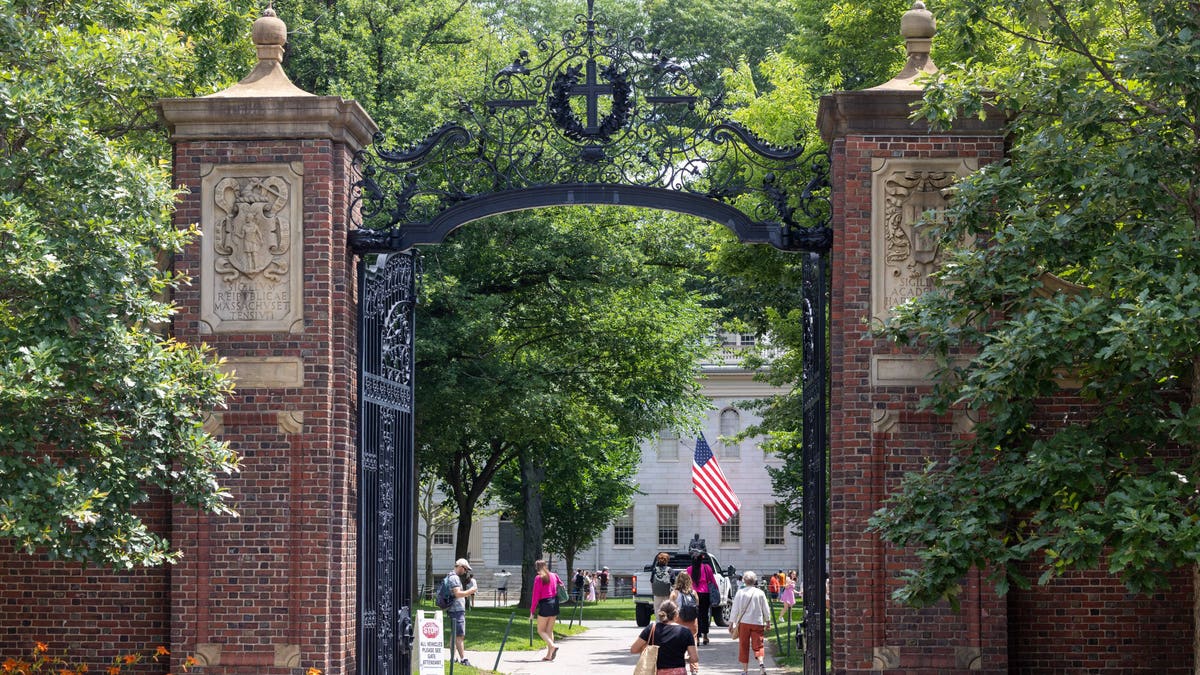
column 623, row 529
column 444, row 535
column 668, row 525
column 668, row 446
column 731, row 424
column 731, row 531
column 772, row 526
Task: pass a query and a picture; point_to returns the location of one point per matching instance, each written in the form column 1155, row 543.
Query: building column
column 266, row 173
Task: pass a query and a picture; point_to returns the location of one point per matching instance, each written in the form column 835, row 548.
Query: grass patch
column 486, row 627
column 782, row 640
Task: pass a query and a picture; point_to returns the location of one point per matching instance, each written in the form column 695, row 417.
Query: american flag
column 710, row 485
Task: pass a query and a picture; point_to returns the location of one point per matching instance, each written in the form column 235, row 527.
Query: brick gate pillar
column 267, row 173
column 887, row 170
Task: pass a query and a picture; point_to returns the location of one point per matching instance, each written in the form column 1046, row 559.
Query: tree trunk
column 428, row 555
column 533, row 473
column 462, row 536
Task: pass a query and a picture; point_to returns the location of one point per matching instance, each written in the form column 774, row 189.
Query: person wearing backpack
column 685, row 598
column 660, row 579
column 454, row 595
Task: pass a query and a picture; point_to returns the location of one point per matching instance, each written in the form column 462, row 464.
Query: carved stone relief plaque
column 252, row 264
column 902, row 253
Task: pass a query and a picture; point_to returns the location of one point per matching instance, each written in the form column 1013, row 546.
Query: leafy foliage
column 1102, row 190
column 100, row 410
column 546, row 329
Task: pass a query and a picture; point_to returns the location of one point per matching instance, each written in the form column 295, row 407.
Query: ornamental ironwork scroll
column 592, row 119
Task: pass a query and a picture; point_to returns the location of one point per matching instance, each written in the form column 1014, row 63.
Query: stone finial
column 918, row 22
column 918, row 27
column 269, row 34
column 269, row 30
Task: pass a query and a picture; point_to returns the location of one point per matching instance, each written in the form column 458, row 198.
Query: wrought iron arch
column 595, row 120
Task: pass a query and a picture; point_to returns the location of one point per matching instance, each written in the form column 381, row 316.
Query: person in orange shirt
column 773, row 586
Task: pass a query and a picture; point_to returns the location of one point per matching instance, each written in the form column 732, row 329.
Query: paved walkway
column 604, row 650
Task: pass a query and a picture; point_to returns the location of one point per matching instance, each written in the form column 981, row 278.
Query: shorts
column 460, row 622
column 547, row 607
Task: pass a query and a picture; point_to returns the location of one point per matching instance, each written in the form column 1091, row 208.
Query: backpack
column 445, row 594
column 688, row 609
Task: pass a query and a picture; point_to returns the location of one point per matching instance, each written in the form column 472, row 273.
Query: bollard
column 504, row 640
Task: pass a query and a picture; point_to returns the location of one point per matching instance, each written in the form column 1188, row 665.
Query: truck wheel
column 642, row 612
column 718, row 616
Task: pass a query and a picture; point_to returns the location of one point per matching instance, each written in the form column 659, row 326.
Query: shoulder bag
column 733, row 625
column 560, row 593
column 647, row 663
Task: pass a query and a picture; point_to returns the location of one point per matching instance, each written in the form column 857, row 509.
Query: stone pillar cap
column 267, row 79
column 918, row 27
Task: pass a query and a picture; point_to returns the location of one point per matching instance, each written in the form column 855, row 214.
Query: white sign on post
column 430, row 647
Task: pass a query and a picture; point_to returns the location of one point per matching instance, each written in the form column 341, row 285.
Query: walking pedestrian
column 751, row 617
column 676, row 644
column 787, row 596
column 684, row 597
column 703, row 580
column 458, row 607
column 602, row 577
column 544, row 605
column 660, row 579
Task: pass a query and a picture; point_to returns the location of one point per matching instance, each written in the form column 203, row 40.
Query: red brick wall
column 90, row 615
column 280, row 575
column 1085, row 622
column 866, row 466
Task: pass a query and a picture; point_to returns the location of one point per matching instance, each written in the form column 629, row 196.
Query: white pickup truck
column 643, row 597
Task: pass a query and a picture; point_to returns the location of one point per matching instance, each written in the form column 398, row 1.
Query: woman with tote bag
column 667, row 648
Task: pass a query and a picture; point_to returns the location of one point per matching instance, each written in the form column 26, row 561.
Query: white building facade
column 666, row 515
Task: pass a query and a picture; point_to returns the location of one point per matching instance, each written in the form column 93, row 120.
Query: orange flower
column 66, row 671
column 10, row 664
column 82, row 668
column 114, row 670
column 162, row 651
column 130, row 658
column 41, row 647
column 313, row 671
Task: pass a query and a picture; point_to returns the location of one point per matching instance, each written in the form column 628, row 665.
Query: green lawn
column 782, row 639
column 486, row 627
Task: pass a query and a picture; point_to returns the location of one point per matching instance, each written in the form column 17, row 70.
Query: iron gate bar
column 813, row 500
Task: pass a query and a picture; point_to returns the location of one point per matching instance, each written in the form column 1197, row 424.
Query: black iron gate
column 386, row 464
column 590, row 119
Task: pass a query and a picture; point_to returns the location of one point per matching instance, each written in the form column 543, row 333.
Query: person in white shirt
column 750, row 617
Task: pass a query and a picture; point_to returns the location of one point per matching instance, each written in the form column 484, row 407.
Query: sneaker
column 465, row 662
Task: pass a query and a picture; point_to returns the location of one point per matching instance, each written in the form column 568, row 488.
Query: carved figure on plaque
column 910, row 253
column 253, row 233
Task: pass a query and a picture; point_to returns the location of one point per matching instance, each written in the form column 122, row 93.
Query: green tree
column 1102, row 191
column 100, row 410
column 588, row 484
column 542, row 329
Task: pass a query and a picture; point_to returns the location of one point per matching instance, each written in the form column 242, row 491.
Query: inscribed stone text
column 245, row 302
